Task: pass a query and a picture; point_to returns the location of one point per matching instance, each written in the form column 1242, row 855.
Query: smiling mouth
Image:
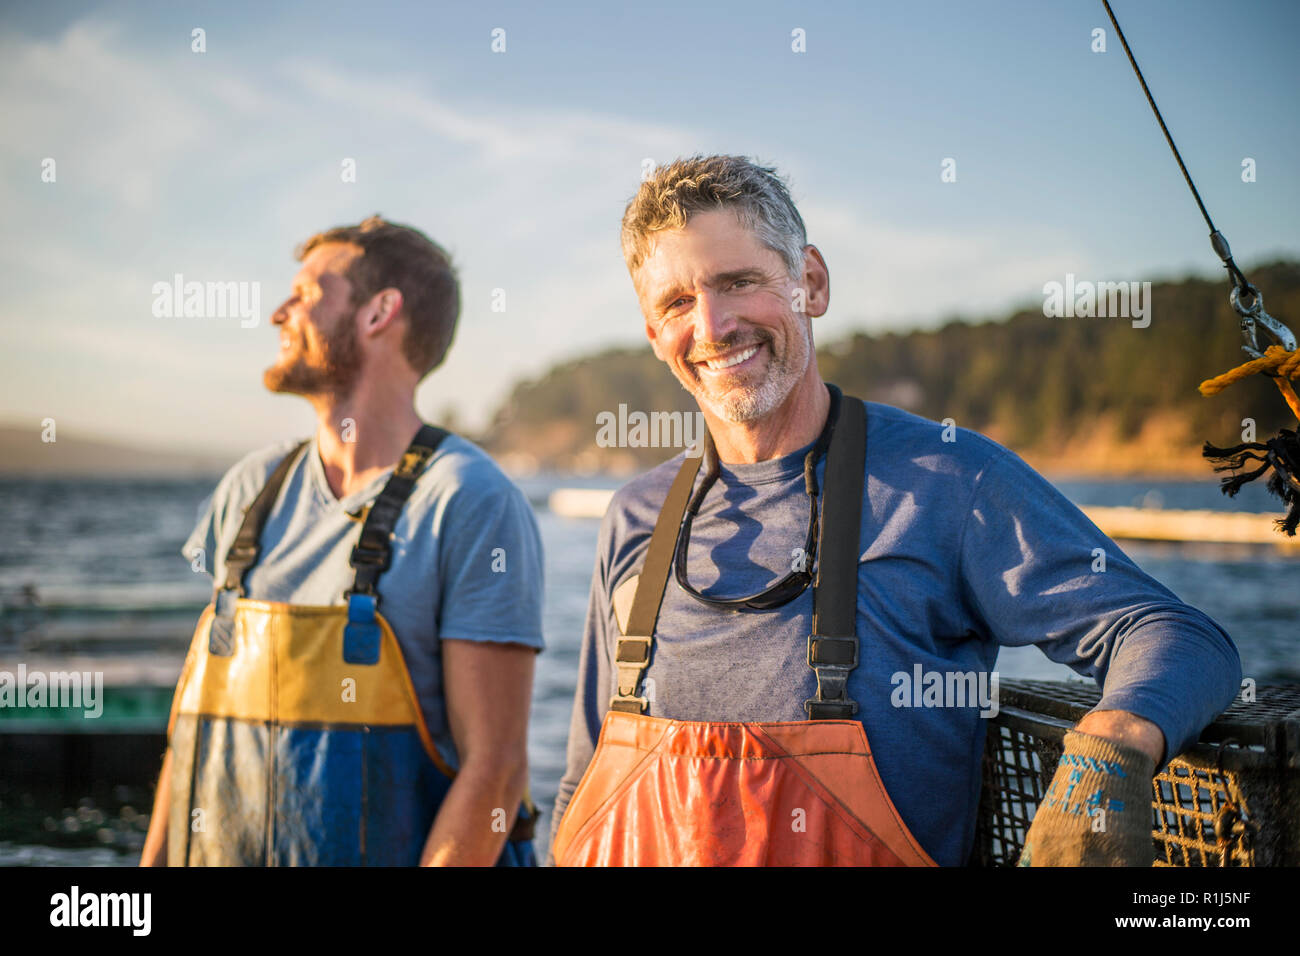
column 730, row 359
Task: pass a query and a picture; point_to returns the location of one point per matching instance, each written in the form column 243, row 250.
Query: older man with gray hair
column 827, row 554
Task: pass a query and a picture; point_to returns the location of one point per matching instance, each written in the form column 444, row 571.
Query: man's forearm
column 155, row 841
column 1127, row 729
column 476, row 816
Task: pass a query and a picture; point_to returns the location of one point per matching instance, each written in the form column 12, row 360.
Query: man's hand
column 1097, row 810
column 488, row 690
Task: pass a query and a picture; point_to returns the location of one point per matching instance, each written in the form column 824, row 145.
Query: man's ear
column 652, row 336
column 817, row 282
column 385, row 306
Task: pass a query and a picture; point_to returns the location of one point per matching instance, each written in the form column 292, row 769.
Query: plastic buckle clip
column 361, row 635
column 631, row 657
column 831, row 651
column 633, row 650
column 221, row 634
column 629, row 705
column 832, row 659
column 376, row 556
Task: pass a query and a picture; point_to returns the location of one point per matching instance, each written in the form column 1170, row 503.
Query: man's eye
column 738, row 282
column 681, row 300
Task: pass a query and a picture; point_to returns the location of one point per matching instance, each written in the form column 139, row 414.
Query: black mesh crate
column 1231, row 800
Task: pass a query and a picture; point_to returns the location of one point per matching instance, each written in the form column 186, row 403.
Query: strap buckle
column 241, row 553
column 224, row 600
column 832, row 651
column 830, row 709
column 221, row 633
column 629, row 705
column 631, row 658
column 831, row 658
column 361, row 635
column 379, row 557
column 412, row 461
column 633, row 650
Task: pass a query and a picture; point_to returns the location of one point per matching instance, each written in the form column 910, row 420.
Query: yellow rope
column 1278, row 363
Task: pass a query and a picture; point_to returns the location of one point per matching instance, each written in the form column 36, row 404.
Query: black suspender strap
column 632, row 653
column 373, row 551
column 372, row 554
column 244, row 552
column 243, row 555
column 370, row 558
column 833, row 644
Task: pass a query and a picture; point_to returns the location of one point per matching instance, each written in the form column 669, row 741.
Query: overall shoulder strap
column 632, row 653
column 833, row 644
column 244, row 551
column 243, row 555
column 373, row 551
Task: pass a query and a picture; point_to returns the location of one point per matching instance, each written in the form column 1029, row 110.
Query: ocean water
column 101, row 558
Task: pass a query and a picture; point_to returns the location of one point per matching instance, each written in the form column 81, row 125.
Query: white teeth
column 733, row 360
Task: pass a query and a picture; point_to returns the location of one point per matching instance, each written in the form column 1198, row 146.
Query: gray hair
column 758, row 194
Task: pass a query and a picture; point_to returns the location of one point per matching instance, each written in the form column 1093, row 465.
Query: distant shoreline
column 1052, row 469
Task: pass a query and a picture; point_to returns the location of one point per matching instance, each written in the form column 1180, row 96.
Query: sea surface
column 93, row 568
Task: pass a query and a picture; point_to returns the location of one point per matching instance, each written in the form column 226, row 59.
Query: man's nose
column 281, row 313
column 714, row 318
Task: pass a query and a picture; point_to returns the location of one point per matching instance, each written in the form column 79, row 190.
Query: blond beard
column 336, row 375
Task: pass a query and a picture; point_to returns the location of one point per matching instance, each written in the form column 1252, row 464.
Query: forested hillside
column 1072, row 395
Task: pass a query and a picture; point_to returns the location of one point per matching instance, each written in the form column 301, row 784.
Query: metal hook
column 1253, row 316
column 1233, row 829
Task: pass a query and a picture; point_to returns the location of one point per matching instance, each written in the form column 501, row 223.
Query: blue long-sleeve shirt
column 964, row 548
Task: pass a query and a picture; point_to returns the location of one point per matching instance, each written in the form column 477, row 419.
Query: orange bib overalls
column 662, row 792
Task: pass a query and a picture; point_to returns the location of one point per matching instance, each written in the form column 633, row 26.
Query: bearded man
column 357, row 692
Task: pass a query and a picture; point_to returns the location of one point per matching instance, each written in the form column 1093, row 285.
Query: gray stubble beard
column 754, row 403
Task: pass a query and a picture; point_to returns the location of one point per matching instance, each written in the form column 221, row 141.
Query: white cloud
column 168, row 163
column 108, row 118
column 885, row 276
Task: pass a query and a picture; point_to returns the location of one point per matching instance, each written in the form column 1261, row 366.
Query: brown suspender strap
column 833, row 644
column 632, row 653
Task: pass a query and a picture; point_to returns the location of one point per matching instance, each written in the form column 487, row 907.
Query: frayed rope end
column 1280, row 454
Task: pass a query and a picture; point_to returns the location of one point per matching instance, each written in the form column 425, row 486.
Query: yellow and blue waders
column 296, row 735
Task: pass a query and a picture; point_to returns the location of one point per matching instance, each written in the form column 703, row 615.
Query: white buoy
column 579, row 502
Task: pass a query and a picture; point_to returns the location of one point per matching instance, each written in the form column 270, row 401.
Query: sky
column 214, row 165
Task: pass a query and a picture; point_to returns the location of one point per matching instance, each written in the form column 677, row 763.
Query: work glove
column 1097, row 811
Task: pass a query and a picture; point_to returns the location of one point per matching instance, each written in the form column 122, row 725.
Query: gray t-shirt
column 963, row 549
column 466, row 558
